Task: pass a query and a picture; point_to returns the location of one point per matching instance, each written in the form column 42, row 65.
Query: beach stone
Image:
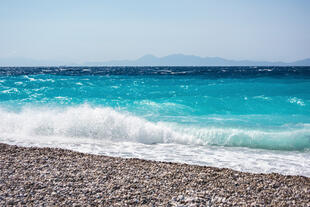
column 57, row 177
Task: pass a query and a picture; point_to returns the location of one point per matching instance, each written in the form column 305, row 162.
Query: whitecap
column 11, row 90
column 297, row 101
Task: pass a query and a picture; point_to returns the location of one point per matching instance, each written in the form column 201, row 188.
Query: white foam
column 87, row 122
column 262, row 97
column 297, row 101
column 31, row 79
column 18, row 83
column 107, row 124
column 102, row 130
column 11, row 90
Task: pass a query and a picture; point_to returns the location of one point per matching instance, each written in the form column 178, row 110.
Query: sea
column 250, row 119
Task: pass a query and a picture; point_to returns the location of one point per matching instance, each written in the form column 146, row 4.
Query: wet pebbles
column 49, row 177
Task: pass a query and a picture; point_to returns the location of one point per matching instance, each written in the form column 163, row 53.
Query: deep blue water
column 194, row 108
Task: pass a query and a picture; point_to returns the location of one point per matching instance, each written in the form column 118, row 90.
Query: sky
column 101, row 30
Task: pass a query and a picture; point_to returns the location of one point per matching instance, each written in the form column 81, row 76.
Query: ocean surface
column 253, row 119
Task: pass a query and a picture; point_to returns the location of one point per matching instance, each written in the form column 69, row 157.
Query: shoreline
column 53, row 176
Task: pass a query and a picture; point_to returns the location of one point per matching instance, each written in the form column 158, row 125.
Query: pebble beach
column 57, row 177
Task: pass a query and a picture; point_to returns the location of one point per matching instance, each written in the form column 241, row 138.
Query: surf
column 106, row 123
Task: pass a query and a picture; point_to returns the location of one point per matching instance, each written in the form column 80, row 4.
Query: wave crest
column 108, row 124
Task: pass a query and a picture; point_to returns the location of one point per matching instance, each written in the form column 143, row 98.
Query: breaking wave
column 105, row 123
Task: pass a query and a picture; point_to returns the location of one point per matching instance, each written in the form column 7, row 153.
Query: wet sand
column 47, row 176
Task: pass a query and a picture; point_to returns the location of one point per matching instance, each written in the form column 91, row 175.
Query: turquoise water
column 173, row 114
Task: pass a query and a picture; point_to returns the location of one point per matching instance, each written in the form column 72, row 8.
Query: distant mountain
column 305, row 62
column 151, row 60
column 191, row 60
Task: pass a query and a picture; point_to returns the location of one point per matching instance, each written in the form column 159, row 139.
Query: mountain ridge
column 192, row 60
column 151, row 60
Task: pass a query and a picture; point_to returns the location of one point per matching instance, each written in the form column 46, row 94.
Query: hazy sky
column 99, row 30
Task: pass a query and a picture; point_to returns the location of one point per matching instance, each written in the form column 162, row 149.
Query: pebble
column 48, row 177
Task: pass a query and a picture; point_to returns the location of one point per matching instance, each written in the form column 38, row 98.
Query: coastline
column 51, row 176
